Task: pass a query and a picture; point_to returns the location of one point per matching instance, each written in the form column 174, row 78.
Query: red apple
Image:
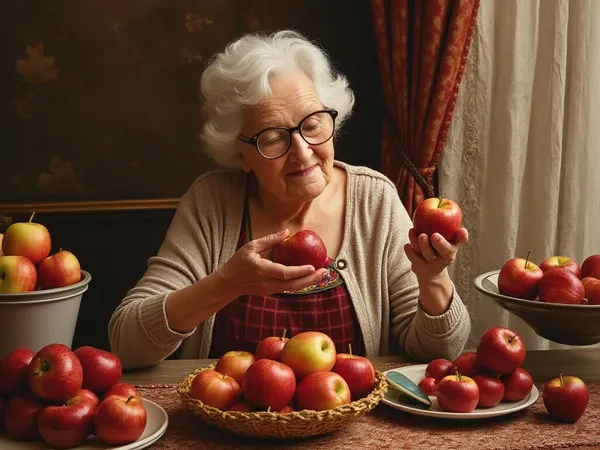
column 438, row 215
column 563, row 262
column 592, row 290
column 491, row 391
column 13, row 371
column 561, row 286
column 501, row 350
column 120, row 420
column 517, row 385
column 271, row 347
column 591, row 267
column 322, row 390
column 566, row 398
column 68, row 425
column 20, row 416
column 123, row 389
column 438, row 369
column 90, row 395
column 269, row 383
column 215, row 389
column 428, row 385
column 28, row 239
column 308, row 352
column 235, row 364
column 55, row 373
column 302, row 248
column 59, row 270
column 457, row 393
column 17, row 274
column 101, row 369
column 241, row 407
column 466, row 364
column 520, row 278
column 357, row 371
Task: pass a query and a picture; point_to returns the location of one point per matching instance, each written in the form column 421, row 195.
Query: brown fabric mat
column 387, row 428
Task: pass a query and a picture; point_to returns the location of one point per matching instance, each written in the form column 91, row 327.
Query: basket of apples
column 288, row 389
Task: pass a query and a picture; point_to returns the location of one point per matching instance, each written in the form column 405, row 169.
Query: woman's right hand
column 247, row 272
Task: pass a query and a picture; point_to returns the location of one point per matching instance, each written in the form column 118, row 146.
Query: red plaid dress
column 325, row 307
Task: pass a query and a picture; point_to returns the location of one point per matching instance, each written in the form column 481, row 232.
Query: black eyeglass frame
column 254, row 139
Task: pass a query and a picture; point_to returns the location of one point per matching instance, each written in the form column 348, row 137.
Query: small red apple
column 269, row 383
column 90, row 395
column 302, row 248
column 438, row 215
column 566, row 398
column 322, row 390
column 123, row 389
column 59, row 270
column 271, row 347
column 308, row 352
column 235, row 364
column 517, row 385
column 563, row 262
column 457, row 393
column 561, row 286
column 17, row 274
column 520, row 278
column 591, row 267
column 466, row 364
column 20, row 418
column 491, row 391
column 428, row 385
column 501, row 350
column 592, row 290
column 28, row 239
column 101, row 369
column 120, row 420
column 438, row 369
column 215, row 389
column 357, row 371
column 13, row 371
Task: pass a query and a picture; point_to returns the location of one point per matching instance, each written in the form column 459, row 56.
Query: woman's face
column 305, row 170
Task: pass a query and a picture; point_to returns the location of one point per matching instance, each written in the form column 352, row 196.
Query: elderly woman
column 272, row 107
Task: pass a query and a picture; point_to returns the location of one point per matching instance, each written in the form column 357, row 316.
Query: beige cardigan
column 377, row 273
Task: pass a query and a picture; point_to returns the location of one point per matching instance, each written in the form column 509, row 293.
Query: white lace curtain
column 523, row 153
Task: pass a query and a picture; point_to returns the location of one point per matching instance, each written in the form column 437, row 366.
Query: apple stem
column 350, row 347
column 269, row 409
column 129, row 399
column 527, row 259
column 440, row 202
column 458, row 375
column 31, row 217
column 283, row 335
column 560, row 376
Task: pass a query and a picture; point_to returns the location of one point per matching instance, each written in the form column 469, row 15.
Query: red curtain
column 422, row 47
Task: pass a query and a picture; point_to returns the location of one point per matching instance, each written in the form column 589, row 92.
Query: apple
column 59, row 270
column 235, row 364
column 562, row 262
column 501, row 350
column 357, row 371
column 271, row 347
column 566, row 398
column 591, row 267
column 269, row 383
column 215, row 389
column 520, row 278
column 491, row 391
column 120, row 420
column 438, row 369
column 241, row 407
column 68, row 425
column 90, row 395
column 592, row 290
column 466, row 364
column 286, row 409
column 428, row 385
column 123, row 389
column 20, row 416
column 302, row 248
column 438, row 215
column 28, row 239
column 13, row 371
column 457, row 393
column 101, row 369
column 517, row 385
column 322, row 390
column 561, row 286
column 55, row 373
column 17, row 274
column 308, row 352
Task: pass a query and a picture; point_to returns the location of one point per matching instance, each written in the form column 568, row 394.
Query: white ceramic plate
column 417, row 372
column 156, row 425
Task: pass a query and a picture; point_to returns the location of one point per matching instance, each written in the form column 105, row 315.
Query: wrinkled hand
column 247, row 272
column 430, row 257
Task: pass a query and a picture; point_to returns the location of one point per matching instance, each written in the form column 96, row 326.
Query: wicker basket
column 294, row 425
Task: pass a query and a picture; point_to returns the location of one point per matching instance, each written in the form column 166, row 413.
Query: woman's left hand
column 430, row 257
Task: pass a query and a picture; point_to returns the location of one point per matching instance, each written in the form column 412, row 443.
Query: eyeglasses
column 316, row 128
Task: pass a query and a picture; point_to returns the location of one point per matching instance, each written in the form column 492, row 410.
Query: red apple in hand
column 466, row 364
column 269, row 383
column 302, row 248
column 561, row 286
column 271, row 347
column 519, row 278
column 322, row 390
column 592, row 290
column 438, row 215
column 69, row 425
column 309, row 352
column 20, row 418
column 235, row 364
column 517, row 385
column 55, row 373
column 17, row 274
column 101, row 369
column 13, row 371
column 357, row 371
column 438, row 369
column 457, row 393
column 491, row 391
column 215, row 389
column 562, row 262
column 89, row 395
column 566, row 398
column 28, row 239
column 120, row 420
column 428, row 385
column 59, row 270
column 500, row 350
column 591, row 267
column 123, row 389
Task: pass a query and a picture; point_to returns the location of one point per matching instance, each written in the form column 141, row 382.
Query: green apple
column 17, row 274
column 28, row 239
column 309, row 352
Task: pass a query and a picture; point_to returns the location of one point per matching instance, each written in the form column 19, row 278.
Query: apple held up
column 591, row 267
column 13, row 371
column 271, row 347
column 235, row 364
column 17, row 274
column 322, row 390
column 592, row 290
column 308, row 352
column 566, row 398
column 438, row 215
column 28, row 239
column 500, row 350
column 101, row 369
column 269, row 384
column 120, row 420
column 302, row 248
column 357, row 371
column 520, row 278
column 215, row 389
column 457, row 393
column 562, row 262
column 561, row 286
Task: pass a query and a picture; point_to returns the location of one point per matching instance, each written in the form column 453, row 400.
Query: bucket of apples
column 289, row 388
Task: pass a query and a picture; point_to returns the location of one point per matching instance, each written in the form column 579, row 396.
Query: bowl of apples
column 558, row 298
column 289, row 388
